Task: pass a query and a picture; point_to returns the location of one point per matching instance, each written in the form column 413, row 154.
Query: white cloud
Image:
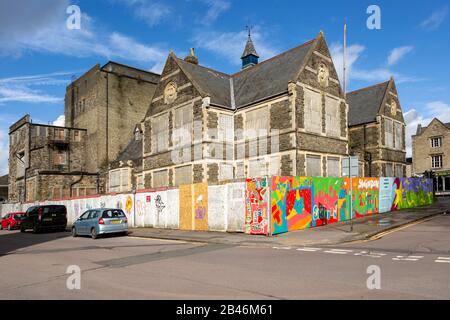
column 150, row 12
column 398, row 53
column 354, row 52
column 230, row 45
column 25, row 94
column 4, row 154
column 215, row 8
column 60, row 121
column 434, row 109
column 434, row 21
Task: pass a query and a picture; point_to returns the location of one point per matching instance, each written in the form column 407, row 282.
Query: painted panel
column 236, row 206
column 365, row 196
column 331, row 201
column 186, row 221
column 217, row 208
column 415, row 192
column 173, row 209
column 158, row 209
column 292, row 199
column 200, row 207
column 257, row 206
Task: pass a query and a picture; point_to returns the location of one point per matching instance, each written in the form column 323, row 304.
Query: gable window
column 332, row 116
column 313, row 166
column 160, row 133
column 389, row 133
column 398, row 136
column 436, row 142
column 313, row 111
column 183, row 126
column 436, row 162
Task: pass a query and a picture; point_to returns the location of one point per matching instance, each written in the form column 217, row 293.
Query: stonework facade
column 431, row 154
column 377, row 130
column 48, row 162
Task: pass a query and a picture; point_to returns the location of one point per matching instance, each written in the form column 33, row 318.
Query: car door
column 92, row 222
column 5, row 221
column 81, row 224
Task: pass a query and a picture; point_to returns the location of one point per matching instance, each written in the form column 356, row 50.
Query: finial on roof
column 250, row 57
column 191, row 58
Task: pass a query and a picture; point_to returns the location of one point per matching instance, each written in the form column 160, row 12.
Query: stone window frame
column 437, row 161
column 389, row 134
column 165, row 182
column 397, row 173
column 398, row 132
column 160, row 138
column 187, row 124
column 313, row 112
column 222, row 175
column 330, row 160
column 389, row 173
column 225, row 125
column 436, row 145
column 121, row 184
column 188, row 172
column 332, row 124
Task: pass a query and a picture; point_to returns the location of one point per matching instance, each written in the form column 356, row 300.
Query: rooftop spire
column 250, row 56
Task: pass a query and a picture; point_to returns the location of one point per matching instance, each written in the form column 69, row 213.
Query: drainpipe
column 76, row 182
column 107, row 117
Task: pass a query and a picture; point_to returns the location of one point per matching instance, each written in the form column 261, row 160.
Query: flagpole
column 345, row 57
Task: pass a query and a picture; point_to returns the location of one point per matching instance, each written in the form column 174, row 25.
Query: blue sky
column 39, row 55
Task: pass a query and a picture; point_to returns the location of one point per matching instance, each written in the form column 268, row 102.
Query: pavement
column 367, row 228
column 411, row 263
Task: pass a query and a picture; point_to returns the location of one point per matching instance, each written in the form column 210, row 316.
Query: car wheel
column 22, row 229
column 94, row 234
column 35, row 229
column 74, row 232
column 1, row 226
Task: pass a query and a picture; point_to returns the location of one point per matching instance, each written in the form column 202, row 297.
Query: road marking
column 336, row 252
column 282, row 248
column 442, row 261
column 407, row 258
column 370, row 254
column 444, row 258
column 341, row 250
column 309, row 249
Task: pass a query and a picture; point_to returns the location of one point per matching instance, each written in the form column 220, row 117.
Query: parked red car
column 12, row 221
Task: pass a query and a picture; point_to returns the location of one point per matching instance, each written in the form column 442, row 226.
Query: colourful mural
column 257, row 206
column 415, row 192
column 365, row 196
column 292, row 204
column 200, row 204
column 331, row 201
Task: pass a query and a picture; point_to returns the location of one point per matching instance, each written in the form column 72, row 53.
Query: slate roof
column 364, row 104
column 132, row 152
column 421, row 129
column 269, row 78
column 4, row 180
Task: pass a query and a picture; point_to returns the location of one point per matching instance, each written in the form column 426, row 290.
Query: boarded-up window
column 225, row 171
column 389, row 133
column 59, row 134
column 140, row 181
column 257, row 122
column 389, row 170
column 274, row 166
column 160, row 133
column 332, row 116
column 313, row 166
column 257, row 168
column 160, row 179
column 57, row 193
column 77, row 136
column 183, row 175
column 313, row 111
column 183, row 126
column 398, row 136
column 225, row 128
column 119, row 180
column 240, row 170
column 334, row 167
column 60, row 157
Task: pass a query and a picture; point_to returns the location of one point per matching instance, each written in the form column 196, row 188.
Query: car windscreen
column 19, row 217
column 111, row 214
column 54, row 210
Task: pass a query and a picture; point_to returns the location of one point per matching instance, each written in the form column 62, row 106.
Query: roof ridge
column 274, row 57
column 369, row 87
column 209, row 69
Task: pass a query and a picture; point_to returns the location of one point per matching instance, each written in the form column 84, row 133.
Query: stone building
column 108, row 101
column 377, row 130
column 4, row 188
column 48, row 162
column 284, row 116
column 431, row 153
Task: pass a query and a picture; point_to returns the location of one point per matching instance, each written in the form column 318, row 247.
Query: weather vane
column 249, row 29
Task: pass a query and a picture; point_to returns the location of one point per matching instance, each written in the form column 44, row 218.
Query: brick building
column 4, row 188
column 377, row 130
column 431, row 153
column 284, row 116
column 48, row 162
column 108, row 101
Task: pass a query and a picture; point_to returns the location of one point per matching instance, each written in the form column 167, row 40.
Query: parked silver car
column 96, row 222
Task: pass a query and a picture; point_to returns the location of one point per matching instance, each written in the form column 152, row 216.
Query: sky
column 40, row 55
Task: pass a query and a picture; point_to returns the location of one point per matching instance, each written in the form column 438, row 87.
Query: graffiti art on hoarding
column 140, row 208
column 200, row 209
column 291, row 204
column 256, row 216
column 331, row 201
column 129, row 205
column 415, row 192
column 159, row 204
column 365, row 196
